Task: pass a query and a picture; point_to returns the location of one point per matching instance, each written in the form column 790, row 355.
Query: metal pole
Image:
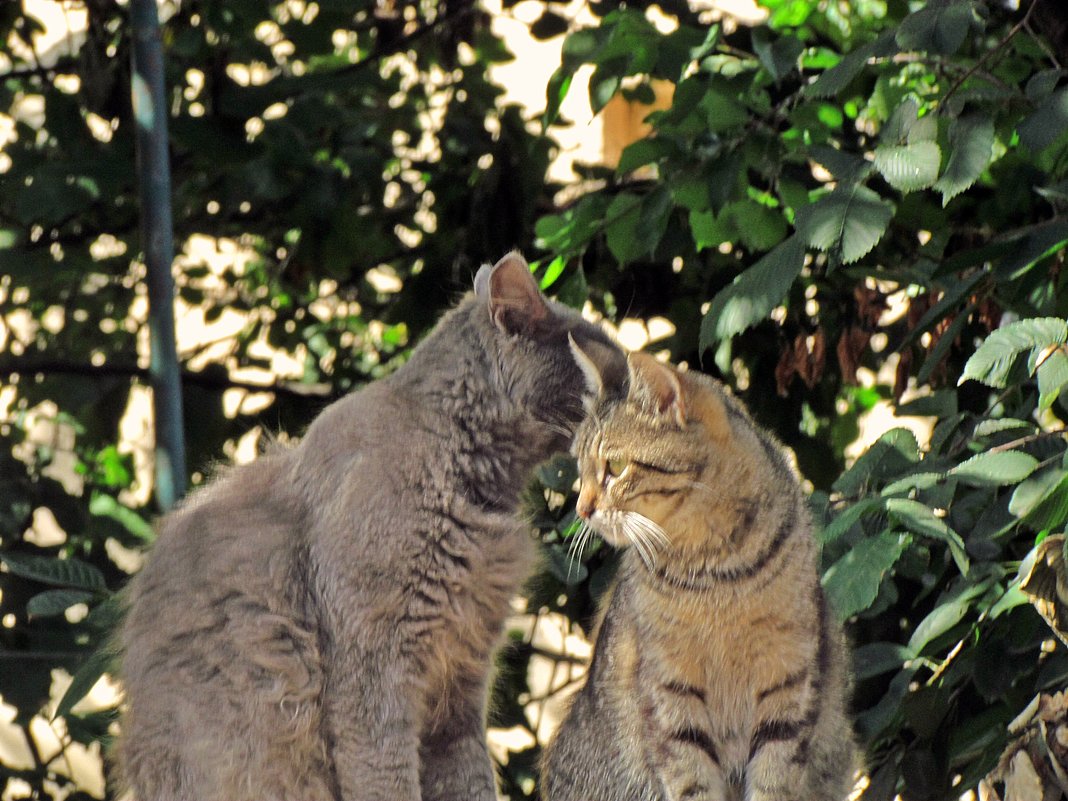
column 154, row 189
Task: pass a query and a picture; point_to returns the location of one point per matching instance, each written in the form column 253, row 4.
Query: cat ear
column 657, row 387
column 515, row 303
column 708, row 407
column 680, row 396
column 603, row 367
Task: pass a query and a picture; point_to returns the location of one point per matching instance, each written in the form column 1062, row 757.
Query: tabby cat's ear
column 677, row 396
column 515, row 303
column 603, row 367
column 657, row 387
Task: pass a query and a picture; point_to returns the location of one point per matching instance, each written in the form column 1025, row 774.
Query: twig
column 1008, row 446
column 982, row 59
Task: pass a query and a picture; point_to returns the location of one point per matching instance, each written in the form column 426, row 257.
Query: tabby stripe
column 670, row 471
column 694, row 736
column 424, row 596
column 693, row 791
column 672, row 491
column 704, row 578
column 823, row 659
column 789, row 683
column 750, row 509
column 775, row 731
column 679, row 688
column 451, row 556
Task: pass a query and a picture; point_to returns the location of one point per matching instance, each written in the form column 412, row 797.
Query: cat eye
column 613, row 467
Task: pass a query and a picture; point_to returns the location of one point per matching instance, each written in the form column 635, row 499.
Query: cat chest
column 740, row 671
column 462, row 589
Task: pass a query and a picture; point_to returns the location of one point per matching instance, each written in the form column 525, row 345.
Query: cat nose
column 586, row 506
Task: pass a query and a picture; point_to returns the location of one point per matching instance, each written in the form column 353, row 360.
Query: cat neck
column 458, row 397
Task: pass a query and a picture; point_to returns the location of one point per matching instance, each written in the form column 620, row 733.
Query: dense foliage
column 851, row 207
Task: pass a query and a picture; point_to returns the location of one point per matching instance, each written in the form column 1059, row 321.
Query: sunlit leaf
column 909, row 167
column 853, row 581
column 995, row 468
column 994, row 359
column 847, row 223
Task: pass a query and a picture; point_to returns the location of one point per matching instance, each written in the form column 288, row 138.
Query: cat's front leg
column 689, row 767
column 680, row 743
column 455, row 763
column 777, row 769
column 372, row 724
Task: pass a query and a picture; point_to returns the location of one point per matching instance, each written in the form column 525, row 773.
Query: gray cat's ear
column 604, row 368
column 657, row 387
column 515, row 303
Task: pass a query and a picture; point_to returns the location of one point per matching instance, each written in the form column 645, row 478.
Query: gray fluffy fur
column 320, row 624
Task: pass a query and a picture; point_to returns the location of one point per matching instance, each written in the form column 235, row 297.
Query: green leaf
column 710, row 231
column 52, row 603
column 848, row 518
column 69, row 572
column 936, row 28
column 653, row 218
column 1047, row 124
column 916, row 481
column 996, row 426
column 892, row 454
column 102, row 505
column 995, row 468
column 1040, row 242
column 945, row 616
column 552, row 272
column 753, row 294
column 1041, row 501
column 852, row 583
column 778, row 53
column 722, row 112
column 971, row 146
column 644, row 151
column 555, row 92
column 994, row 359
column 621, row 222
column 838, row 77
column 567, row 570
column 1052, row 375
column 876, row 658
column 909, row 167
column 758, row 226
column 918, row 518
column 85, row 678
column 847, row 223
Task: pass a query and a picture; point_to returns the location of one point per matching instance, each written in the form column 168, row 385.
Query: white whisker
column 577, row 546
column 639, row 537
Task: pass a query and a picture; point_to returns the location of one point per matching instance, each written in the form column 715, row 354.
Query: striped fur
column 718, row 670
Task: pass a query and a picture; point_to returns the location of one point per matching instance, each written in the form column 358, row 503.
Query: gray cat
column 320, row 624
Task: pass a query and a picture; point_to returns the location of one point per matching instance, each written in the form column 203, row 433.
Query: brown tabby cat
column 718, row 670
column 320, row 624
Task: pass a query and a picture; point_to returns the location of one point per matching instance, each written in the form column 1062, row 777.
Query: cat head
column 645, row 450
column 530, row 336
